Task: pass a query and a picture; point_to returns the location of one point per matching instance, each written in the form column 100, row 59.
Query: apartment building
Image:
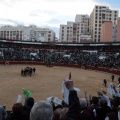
column 106, row 32
column 74, row 32
column 99, row 15
column 27, row 33
column 118, row 30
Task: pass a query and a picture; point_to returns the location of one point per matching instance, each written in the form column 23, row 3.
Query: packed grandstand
column 104, row 57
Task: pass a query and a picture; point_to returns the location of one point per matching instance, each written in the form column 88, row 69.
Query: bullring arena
column 47, row 82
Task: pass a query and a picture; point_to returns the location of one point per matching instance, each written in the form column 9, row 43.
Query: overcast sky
column 48, row 13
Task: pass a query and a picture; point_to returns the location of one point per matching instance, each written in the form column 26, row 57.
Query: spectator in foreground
column 56, row 114
column 44, row 111
column 3, row 113
column 41, row 111
column 114, row 114
column 29, row 102
column 17, row 113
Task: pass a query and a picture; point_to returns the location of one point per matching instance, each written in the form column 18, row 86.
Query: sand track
column 46, row 82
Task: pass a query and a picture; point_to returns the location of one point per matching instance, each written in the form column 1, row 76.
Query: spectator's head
column 95, row 100
column 17, row 108
column 83, row 103
column 115, row 102
column 103, row 103
column 41, row 111
column 63, row 113
column 30, row 101
column 56, row 114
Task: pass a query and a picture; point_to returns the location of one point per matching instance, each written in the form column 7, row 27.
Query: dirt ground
column 47, row 82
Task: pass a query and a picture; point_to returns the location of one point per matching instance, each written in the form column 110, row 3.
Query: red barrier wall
column 103, row 69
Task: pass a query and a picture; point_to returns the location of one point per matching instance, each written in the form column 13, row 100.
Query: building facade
column 118, row 30
column 27, row 33
column 75, row 31
column 106, row 32
column 99, row 15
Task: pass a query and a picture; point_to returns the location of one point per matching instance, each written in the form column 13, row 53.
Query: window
column 42, row 34
column 49, row 35
column 49, row 39
column 14, row 32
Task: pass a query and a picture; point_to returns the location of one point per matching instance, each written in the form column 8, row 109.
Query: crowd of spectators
column 99, row 107
column 79, row 57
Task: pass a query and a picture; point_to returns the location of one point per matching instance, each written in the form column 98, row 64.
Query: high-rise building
column 27, row 33
column 106, row 32
column 118, row 30
column 75, row 31
column 99, row 15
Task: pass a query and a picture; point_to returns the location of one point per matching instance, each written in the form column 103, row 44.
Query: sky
column 48, row 13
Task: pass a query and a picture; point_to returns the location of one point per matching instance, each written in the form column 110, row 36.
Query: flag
column 70, row 76
column 26, row 93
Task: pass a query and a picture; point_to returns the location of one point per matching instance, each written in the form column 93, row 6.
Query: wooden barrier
column 103, row 69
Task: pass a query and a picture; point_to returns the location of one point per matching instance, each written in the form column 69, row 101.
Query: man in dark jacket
column 105, row 82
column 17, row 113
column 112, row 77
column 114, row 114
column 29, row 102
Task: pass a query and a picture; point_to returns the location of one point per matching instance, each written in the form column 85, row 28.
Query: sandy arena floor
column 46, row 82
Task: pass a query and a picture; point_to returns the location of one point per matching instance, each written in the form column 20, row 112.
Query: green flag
column 26, row 93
